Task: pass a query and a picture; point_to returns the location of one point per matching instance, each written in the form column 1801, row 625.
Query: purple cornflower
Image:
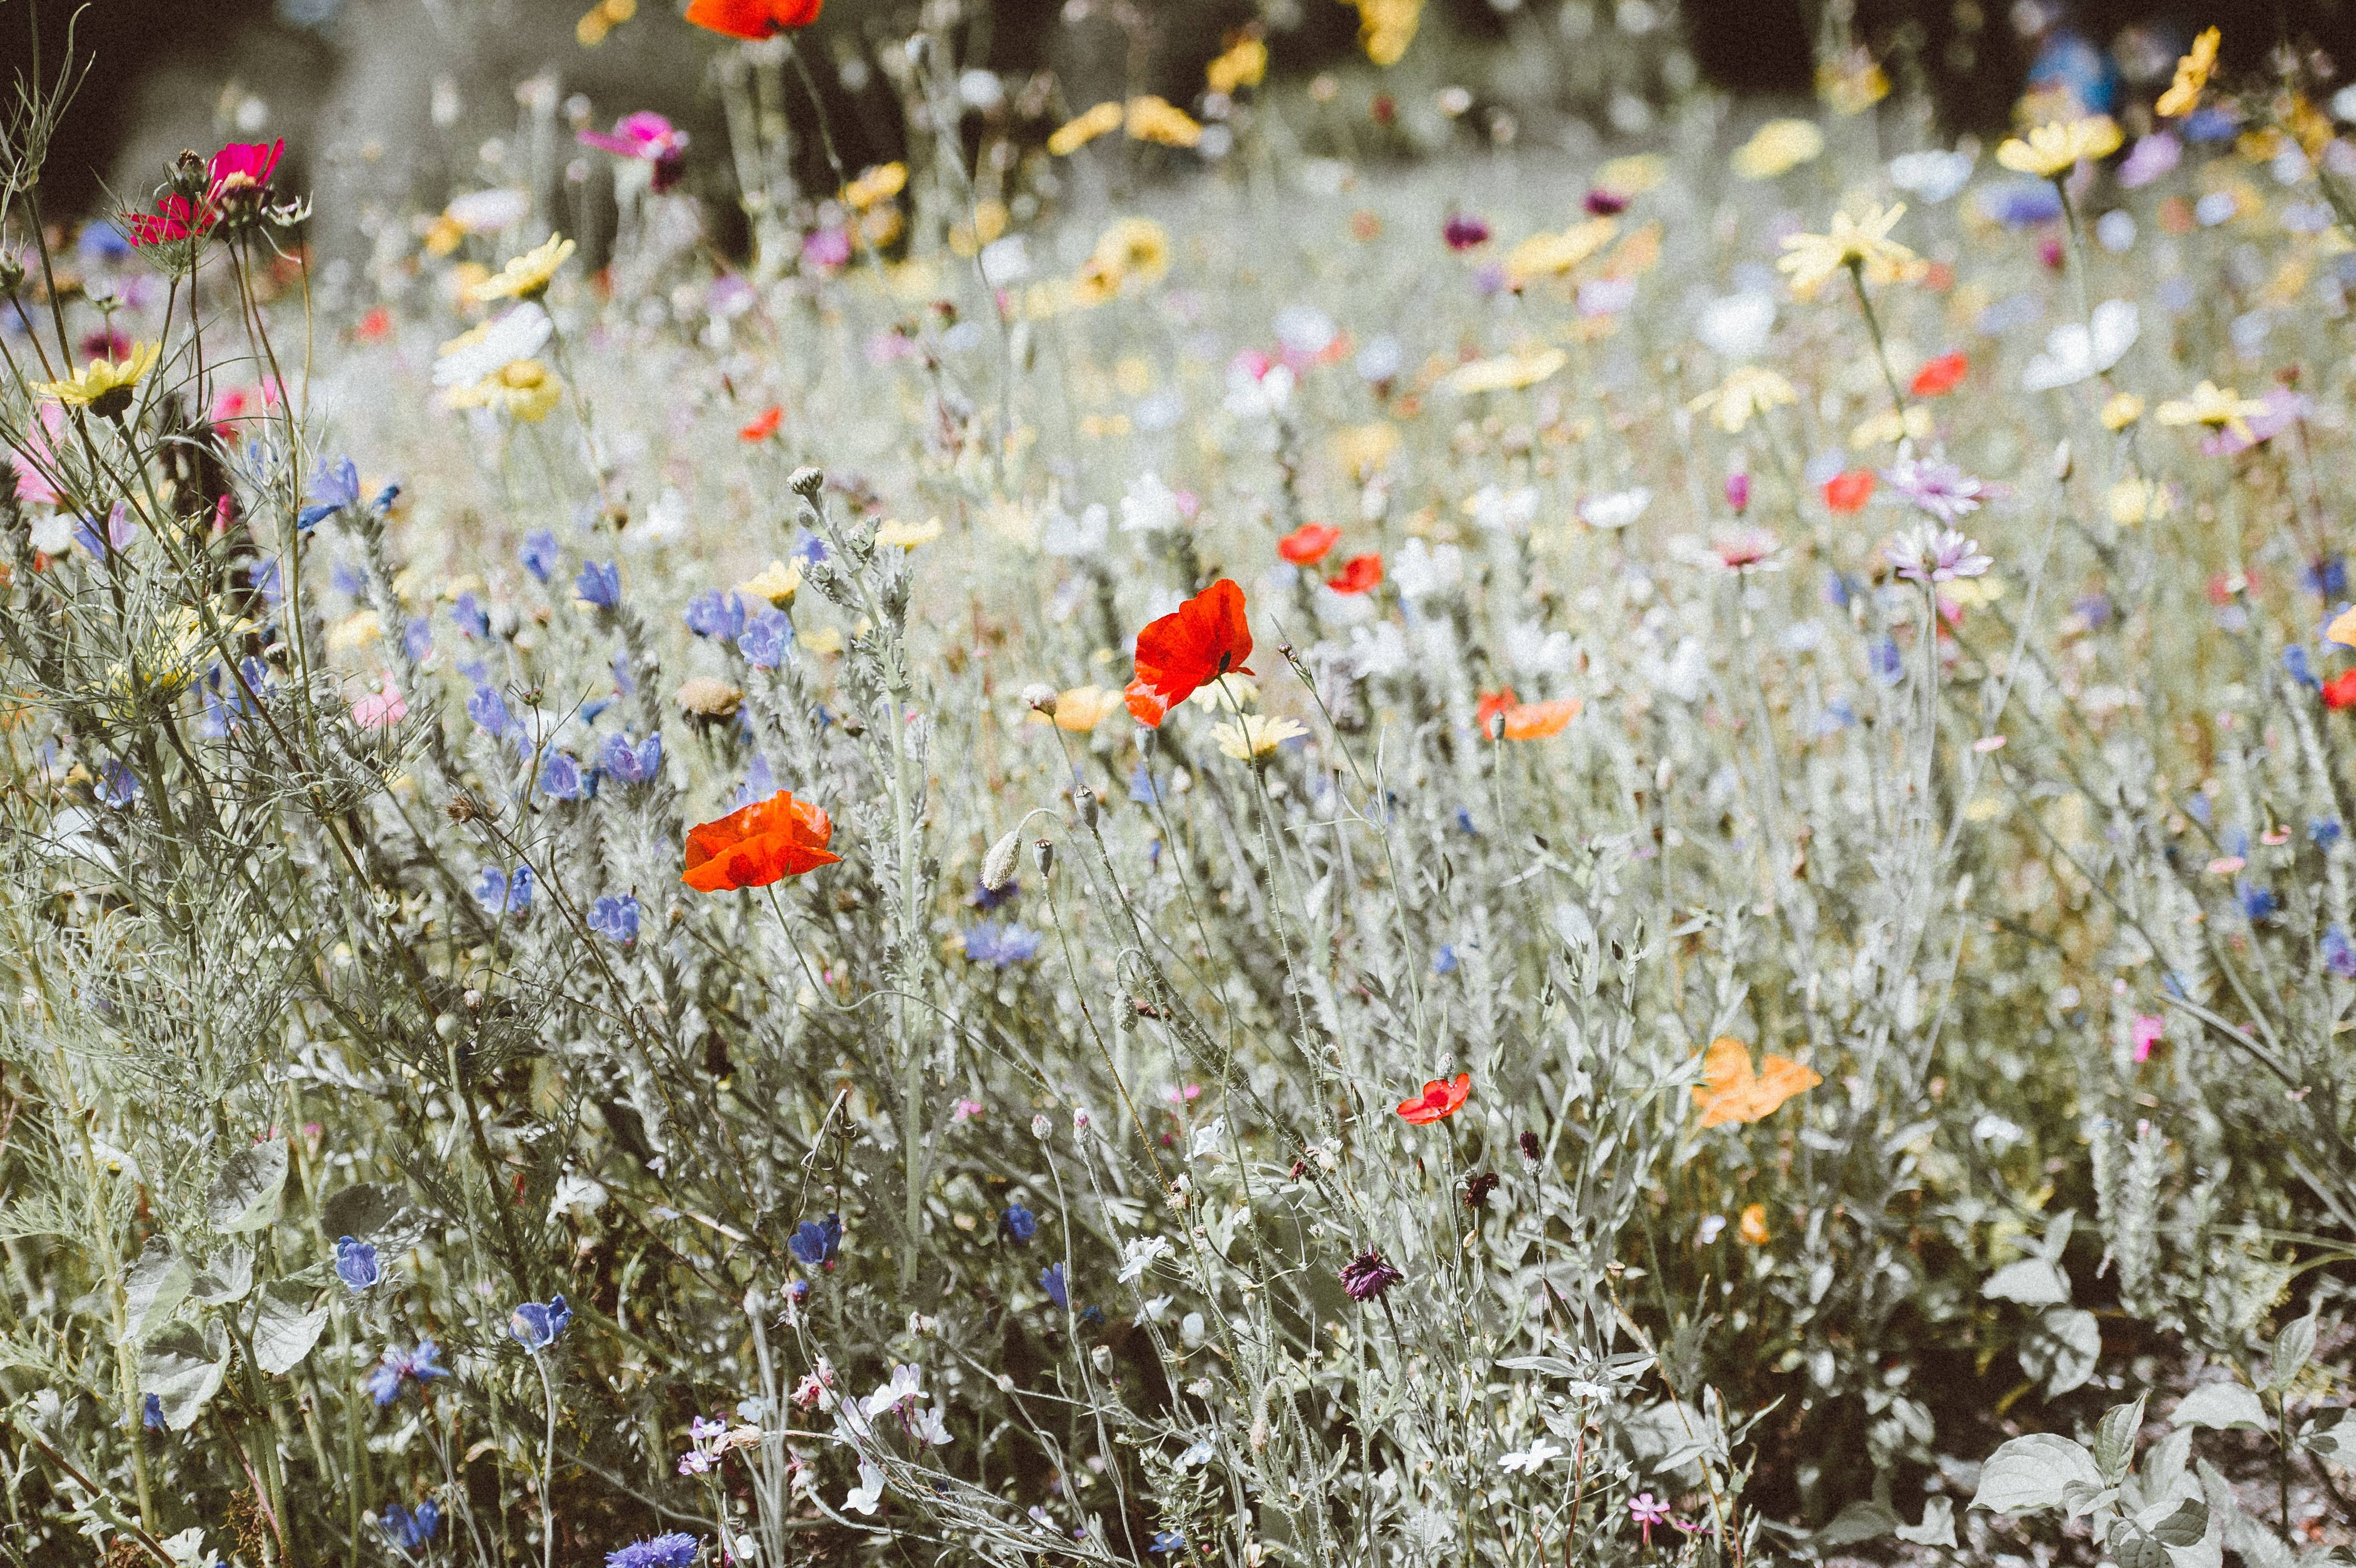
column 334, row 487
column 1367, row 1276
column 1058, row 1289
column 615, row 919
column 599, row 583
column 1936, row 556
column 398, row 1368
column 1935, row 488
column 676, row 1550
column 561, row 777
column 539, row 553
column 986, row 898
column 632, row 764
column 714, row 614
column 501, row 892
column 356, row 1264
column 490, row 710
column 1002, row 946
column 467, row 611
column 2339, row 956
column 768, row 641
column 535, row 1325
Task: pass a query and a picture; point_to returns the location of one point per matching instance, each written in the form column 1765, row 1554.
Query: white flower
column 1345, row 609
column 580, row 1193
column 1067, row 536
column 1208, row 1139
column 1933, row 175
column 488, row 212
column 927, row 1427
column 2073, row 352
column 666, row 520
column 53, row 534
column 1531, row 649
column 868, row 1493
column 1200, row 1454
column 1149, row 507
column 1005, row 261
column 1138, row 1254
column 1737, row 325
column 1305, row 329
column 1422, row 569
column 1617, row 509
column 1258, row 397
column 904, row 1388
column 1497, row 509
column 519, row 334
column 1530, row 1460
column 1377, row 649
column 1382, row 358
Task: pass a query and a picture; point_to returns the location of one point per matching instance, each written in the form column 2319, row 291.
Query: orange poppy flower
column 1537, row 721
column 763, row 424
column 1307, row 545
column 767, row 840
column 1493, row 707
column 1359, row 574
column 1941, row 376
column 2339, row 691
column 753, row 19
column 1730, row 1091
column 1438, row 1101
column 1204, row 638
column 1848, row 492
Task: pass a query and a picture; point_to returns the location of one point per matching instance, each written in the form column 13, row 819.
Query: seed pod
column 1085, row 801
column 1042, row 855
column 998, row 865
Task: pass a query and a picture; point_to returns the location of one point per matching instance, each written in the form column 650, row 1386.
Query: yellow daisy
column 1860, row 243
column 2219, row 408
column 1778, row 147
column 523, row 390
column 1255, row 735
column 103, row 386
column 2183, row 94
column 777, row 583
column 1747, row 391
column 1080, row 131
column 2053, row 150
column 528, row 275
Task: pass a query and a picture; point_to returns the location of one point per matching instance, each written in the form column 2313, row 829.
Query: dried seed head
column 465, row 809
column 1042, row 696
column 998, row 865
column 704, row 698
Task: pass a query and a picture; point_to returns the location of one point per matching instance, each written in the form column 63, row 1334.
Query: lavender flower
column 676, row 1550
column 1367, row 1276
column 1936, row 488
column 1929, row 554
column 539, row 553
column 632, row 764
column 356, row 1264
column 535, row 1326
column 1058, row 1289
column 499, row 892
column 713, row 613
column 1002, row 946
column 615, row 919
column 768, row 641
column 397, row 1369
column 599, row 583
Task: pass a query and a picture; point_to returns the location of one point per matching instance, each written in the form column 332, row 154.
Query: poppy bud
column 998, row 865
column 1042, row 855
column 1042, row 696
column 1084, row 800
column 808, row 481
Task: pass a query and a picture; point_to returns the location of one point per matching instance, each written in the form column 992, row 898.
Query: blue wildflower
column 151, row 1413
column 768, row 641
column 632, row 764
column 2209, row 123
column 2021, row 203
column 270, row 582
column 2324, row 831
column 348, row 579
column 120, row 531
column 535, row 1326
column 815, row 1241
column 676, row 1550
column 118, row 785
column 356, row 1264
column 2199, row 806
column 615, row 919
column 381, row 502
column 1445, row 963
column 760, row 782
column 410, row 1530
column 333, row 488
column 1464, row 824
column 2338, row 957
column 539, row 553
column 1018, row 1224
column 561, row 775
column 398, row 1369
column 714, row 614
column 986, row 898
column 499, row 893
column 467, row 611
column 2094, row 609
column 2296, row 663
column 1002, row 946
column 809, row 548
column 622, row 681
column 490, row 710
column 1168, row 1540
column 102, row 242
column 599, row 583
column 2258, row 903
column 2328, row 578
column 417, row 637
column 1144, row 787
column 1837, row 590
column 1052, row 1281
column 1883, row 661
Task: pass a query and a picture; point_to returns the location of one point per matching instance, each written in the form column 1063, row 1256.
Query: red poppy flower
column 1493, row 707
column 753, row 19
column 1359, row 574
column 1307, row 545
column 1438, row 1101
column 1204, row 638
column 2339, row 691
column 1848, row 492
column 1941, row 376
column 763, row 424
column 767, row 840
column 376, row 325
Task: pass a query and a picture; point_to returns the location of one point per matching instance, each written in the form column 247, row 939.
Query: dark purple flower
column 1052, row 1281
column 815, row 1241
column 1463, row 232
column 1602, row 203
column 1367, row 1276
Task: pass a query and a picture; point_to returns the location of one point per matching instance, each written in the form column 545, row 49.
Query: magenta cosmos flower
column 647, row 137
column 238, row 174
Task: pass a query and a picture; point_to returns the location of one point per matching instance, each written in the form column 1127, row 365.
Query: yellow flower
column 908, row 535
column 1860, row 243
column 1853, row 83
column 1778, row 147
column 880, row 182
column 1363, row 449
column 522, row 390
column 1152, row 119
column 1078, row 133
column 2219, row 408
column 1504, row 372
column 2053, row 150
column 103, row 386
column 1890, row 427
column 990, row 217
column 826, row 639
column 1244, row 64
column 778, row 582
column 1748, row 391
column 2121, row 410
column 2137, row 500
column 1133, row 248
column 1255, row 735
column 1753, row 1226
column 527, row 277
column 2183, row 94
column 355, row 633
column 2342, row 629
column 1633, row 174
column 1082, row 708
column 1386, row 27
column 1545, row 255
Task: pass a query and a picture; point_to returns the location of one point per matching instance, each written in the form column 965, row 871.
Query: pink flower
column 2146, row 1032
column 241, row 165
column 1738, row 492
column 1647, row 1511
column 827, row 248
column 965, row 1109
column 647, row 137
column 37, row 455
column 239, row 171
column 2283, row 407
column 383, row 708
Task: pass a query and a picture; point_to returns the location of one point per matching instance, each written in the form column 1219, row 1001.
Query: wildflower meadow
column 1258, row 825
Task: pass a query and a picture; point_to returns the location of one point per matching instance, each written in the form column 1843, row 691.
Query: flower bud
column 808, row 481
column 1042, row 696
column 1085, row 801
column 1738, row 492
column 1040, row 1127
column 998, row 865
column 1042, row 855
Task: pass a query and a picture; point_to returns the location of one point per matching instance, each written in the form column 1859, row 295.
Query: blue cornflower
column 2094, row 609
column 498, row 892
column 2209, row 125
column 2328, row 578
column 151, row 1413
column 1464, row 824
column 1882, row 660
column 676, row 1550
column 118, row 785
column 2296, row 663
column 467, row 611
column 535, row 1326
column 632, row 764
column 615, row 919
column 333, row 488
column 1002, row 946
column 102, row 242
column 1837, row 589
column 398, row 1368
column 2021, row 203
column 767, row 642
column 1018, row 1224
column 490, row 710
column 2258, row 903
column 809, row 548
column 2324, row 831
column 407, row 1529
column 356, row 1264
column 539, row 553
column 1144, row 787
column 1058, row 1289
column 986, row 898
column 714, row 614
column 1168, row 1540
column 347, row 579
column 1445, row 963
column 815, row 1241
column 760, row 782
column 2198, row 805
column 560, row 775
column 2338, row 957
column 599, row 583
column 417, row 637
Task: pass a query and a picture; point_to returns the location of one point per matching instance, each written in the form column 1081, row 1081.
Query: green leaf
column 2330, row 1435
column 244, row 1196
column 2063, row 1349
column 2132, row 1548
column 2221, row 1405
column 285, row 1327
column 1938, row 1526
column 2293, row 1347
column 2030, row 1473
column 2185, row 1525
column 1858, row 1521
column 226, row 1279
column 155, row 1287
column 2115, row 1439
column 2033, row 1282
column 2057, row 1236
column 183, row 1370
column 374, row 1212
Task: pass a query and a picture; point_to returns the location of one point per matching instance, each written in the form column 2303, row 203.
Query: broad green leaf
column 2115, row 1439
column 2033, row 1282
column 183, row 1370
column 159, row 1281
column 2078, row 1346
column 1938, row 1526
column 2030, row 1473
column 2331, row 1434
column 2184, row 1525
column 226, row 1279
column 2134, row 1548
column 2293, row 1347
column 2220, row 1405
column 285, row 1327
column 1858, row 1522
column 244, row 1196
